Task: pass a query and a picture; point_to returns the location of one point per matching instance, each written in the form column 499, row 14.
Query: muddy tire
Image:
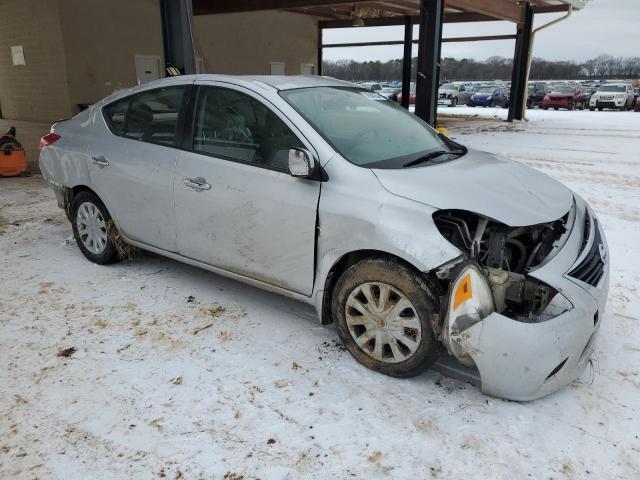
column 90, row 221
column 382, row 311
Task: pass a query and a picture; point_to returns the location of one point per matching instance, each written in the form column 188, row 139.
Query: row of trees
column 493, row 68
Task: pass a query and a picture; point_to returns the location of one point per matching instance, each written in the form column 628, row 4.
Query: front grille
column 591, row 269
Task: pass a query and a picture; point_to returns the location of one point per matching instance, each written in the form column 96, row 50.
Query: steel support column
column 518, row 100
column 406, row 61
column 429, row 49
column 177, row 36
column 319, row 58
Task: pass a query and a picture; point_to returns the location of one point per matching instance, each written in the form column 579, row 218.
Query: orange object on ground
column 13, row 161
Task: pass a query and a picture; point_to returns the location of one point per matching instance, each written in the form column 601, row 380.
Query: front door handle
column 100, row 161
column 197, row 183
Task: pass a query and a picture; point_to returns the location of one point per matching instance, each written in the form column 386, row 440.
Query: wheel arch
column 71, row 192
column 346, row 261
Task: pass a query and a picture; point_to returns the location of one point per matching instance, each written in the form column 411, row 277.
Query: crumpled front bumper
column 524, row 361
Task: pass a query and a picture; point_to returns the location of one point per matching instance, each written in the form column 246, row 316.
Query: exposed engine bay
column 492, row 274
column 506, row 255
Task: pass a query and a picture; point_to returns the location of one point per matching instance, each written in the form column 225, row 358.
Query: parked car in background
column 637, row 107
column 536, row 94
column 463, row 97
column 449, row 94
column 489, row 97
column 390, row 92
column 412, row 94
column 568, row 96
column 373, row 86
column 615, row 96
column 587, row 93
column 323, row 191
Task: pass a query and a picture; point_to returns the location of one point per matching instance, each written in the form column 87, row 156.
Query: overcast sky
column 603, row 27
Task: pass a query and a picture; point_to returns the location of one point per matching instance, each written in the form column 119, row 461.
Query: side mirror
column 301, row 163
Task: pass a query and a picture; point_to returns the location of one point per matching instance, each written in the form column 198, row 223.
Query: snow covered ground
column 173, row 372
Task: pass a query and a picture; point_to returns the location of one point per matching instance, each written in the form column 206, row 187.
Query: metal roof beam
column 502, row 9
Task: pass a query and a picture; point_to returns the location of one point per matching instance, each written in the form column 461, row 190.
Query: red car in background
column 412, row 94
column 566, row 96
column 637, row 108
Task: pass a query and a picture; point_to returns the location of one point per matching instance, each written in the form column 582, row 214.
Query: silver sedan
column 329, row 193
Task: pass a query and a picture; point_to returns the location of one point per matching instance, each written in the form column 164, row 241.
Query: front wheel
column 383, row 310
column 93, row 229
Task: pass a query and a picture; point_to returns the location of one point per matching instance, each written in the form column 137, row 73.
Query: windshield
column 364, row 127
column 486, row 91
column 613, row 88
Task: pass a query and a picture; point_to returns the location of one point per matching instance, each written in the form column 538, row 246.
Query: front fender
column 371, row 218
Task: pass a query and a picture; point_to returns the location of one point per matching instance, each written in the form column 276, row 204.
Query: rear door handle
column 100, row 161
column 197, row 183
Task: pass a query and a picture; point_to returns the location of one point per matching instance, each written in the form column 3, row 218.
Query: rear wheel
column 383, row 310
column 92, row 229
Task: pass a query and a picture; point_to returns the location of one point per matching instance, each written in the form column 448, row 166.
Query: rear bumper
column 524, row 361
column 557, row 104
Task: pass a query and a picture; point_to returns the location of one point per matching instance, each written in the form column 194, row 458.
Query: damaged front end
column 512, row 311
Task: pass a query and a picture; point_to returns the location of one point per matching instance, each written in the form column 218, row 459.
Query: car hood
column 609, row 94
column 480, row 182
column 560, row 95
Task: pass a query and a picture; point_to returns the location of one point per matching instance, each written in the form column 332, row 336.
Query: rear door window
column 150, row 116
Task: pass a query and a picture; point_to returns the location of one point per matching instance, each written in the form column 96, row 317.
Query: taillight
column 48, row 139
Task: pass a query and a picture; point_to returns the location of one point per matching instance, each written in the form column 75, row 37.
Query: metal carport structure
column 430, row 15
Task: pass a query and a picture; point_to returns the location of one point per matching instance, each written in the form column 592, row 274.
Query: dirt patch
column 67, row 352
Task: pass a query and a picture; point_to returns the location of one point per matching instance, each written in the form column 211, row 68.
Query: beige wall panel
column 245, row 43
column 38, row 90
column 101, row 39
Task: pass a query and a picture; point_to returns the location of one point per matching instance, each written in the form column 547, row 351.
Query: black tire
column 592, row 109
column 422, row 294
column 454, row 103
column 600, row 109
column 109, row 254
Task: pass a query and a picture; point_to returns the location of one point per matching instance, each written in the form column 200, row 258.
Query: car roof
column 279, row 82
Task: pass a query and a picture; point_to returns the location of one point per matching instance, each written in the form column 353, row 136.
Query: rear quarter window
column 115, row 115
